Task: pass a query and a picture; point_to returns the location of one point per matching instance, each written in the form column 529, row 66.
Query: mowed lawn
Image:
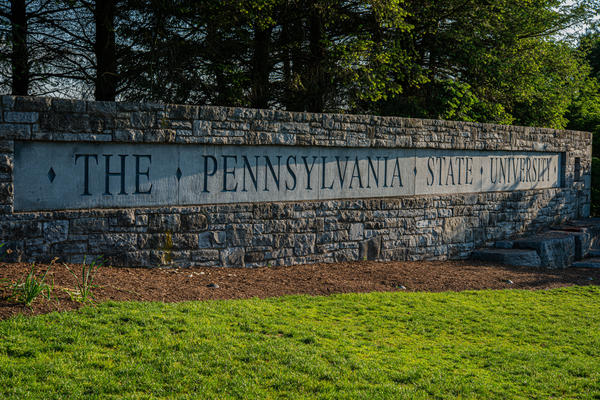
column 484, row 344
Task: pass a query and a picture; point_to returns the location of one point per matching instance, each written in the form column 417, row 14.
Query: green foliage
column 584, row 111
column 489, row 62
column 31, row 286
column 590, row 47
column 507, row 344
column 85, row 286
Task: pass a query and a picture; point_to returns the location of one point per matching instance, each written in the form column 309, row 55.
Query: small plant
column 85, row 283
column 31, row 287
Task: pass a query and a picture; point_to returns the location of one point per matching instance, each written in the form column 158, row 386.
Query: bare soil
column 175, row 284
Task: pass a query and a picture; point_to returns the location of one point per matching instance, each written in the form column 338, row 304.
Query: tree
column 26, row 40
column 20, row 55
column 584, row 110
column 105, row 50
column 489, row 61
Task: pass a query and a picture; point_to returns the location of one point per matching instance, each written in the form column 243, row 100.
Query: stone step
column 504, row 244
column 583, row 241
column 589, row 225
column 587, row 263
column 555, row 249
column 594, row 253
column 516, row 257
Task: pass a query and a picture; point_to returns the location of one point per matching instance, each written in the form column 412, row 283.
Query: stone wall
column 279, row 233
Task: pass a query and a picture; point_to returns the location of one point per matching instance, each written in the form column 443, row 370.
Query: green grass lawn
column 486, row 344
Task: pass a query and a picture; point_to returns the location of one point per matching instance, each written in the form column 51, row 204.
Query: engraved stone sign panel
column 53, row 176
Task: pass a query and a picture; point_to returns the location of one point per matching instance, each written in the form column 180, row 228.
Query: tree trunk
column 261, row 68
column 20, row 54
column 105, row 48
column 317, row 84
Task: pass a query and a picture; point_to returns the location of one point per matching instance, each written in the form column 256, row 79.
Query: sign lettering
column 87, row 175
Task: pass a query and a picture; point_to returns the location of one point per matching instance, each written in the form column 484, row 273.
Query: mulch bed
column 175, row 284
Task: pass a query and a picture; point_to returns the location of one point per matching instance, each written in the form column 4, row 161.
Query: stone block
column 211, row 239
column 6, row 193
column 69, row 248
column 455, row 229
column 346, row 255
column 68, row 105
column 56, row 231
column 239, row 235
column 304, row 244
column 16, row 131
column 80, row 226
column 125, row 218
column 504, row 244
column 254, row 257
column 144, row 120
column 19, row 230
column 356, row 231
column 6, row 164
column 516, row 257
column 587, row 263
column 205, row 255
column 583, row 242
column 201, row 128
column 233, row 257
column 21, row 117
column 64, row 122
column 102, row 107
column 168, row 241
column 6, row 146
column 555, row 249
column 111, row 243
column 370, row 249
column 196, row 222
column 164, row 223
column 29, row 103
column 128, row 135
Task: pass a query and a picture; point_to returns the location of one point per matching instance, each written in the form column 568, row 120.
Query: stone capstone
column 587, row 263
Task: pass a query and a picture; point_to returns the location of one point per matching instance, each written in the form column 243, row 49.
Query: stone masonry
column 279, row 233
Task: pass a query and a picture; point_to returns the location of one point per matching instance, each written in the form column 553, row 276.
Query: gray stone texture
column 587, row 263
column 433, row 226
column 556, row 249
column 516, row 257
column 582, row 243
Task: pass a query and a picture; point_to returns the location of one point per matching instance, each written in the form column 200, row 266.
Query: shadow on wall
column 595, row 204
column 526, row 212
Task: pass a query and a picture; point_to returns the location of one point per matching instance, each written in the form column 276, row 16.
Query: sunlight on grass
column 487, row 344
